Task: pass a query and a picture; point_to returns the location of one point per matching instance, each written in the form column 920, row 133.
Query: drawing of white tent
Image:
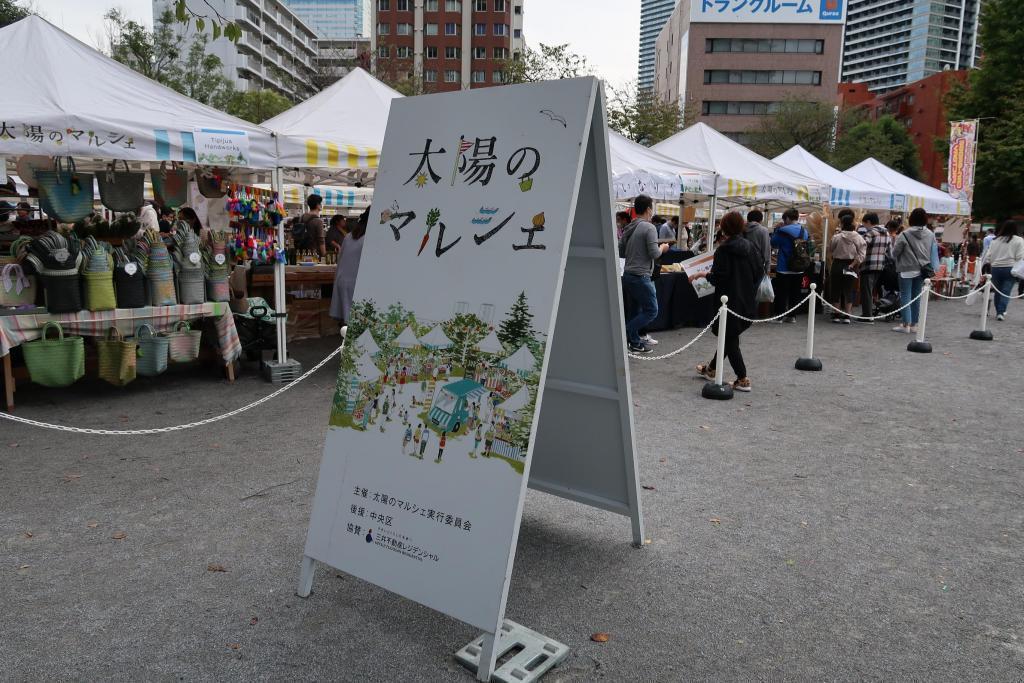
column 368, row 344
column 516, row 401
column 490, row 344
column 367, row 370
column 407, row 340
column 522, row 361
column 436, row 339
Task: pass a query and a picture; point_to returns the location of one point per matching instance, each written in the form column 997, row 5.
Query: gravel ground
column 863, row 523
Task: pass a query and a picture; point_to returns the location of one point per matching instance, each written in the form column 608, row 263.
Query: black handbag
column 130, row 286
column 121, row 190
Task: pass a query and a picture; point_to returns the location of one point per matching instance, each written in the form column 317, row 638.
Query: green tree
column 11, row 11
column 153, row 53
column 465, row 330
column 517, row 327
column 549, row 63
column 199, row 75
column 202, row 14
column 257, row 106
column 885, row 139
column 522, row 424
column 642, row 116
column 812, row 125
column 993, row 94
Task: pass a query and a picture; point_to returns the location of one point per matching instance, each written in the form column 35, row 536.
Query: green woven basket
column 152, row 354
column 99, row 291
column 55, row 362
column 116, row 358
column 183, row 343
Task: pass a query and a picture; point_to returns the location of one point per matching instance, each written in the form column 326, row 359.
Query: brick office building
column 919, row 107
column 442, row 45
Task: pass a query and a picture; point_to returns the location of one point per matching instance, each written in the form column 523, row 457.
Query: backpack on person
column 799, row 260
column 626, row 235
column 301, row 234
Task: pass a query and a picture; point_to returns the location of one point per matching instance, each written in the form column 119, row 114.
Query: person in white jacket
column 1005, row 251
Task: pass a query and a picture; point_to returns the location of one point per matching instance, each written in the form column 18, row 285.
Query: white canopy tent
column 338, row 132
column 522, row 361
column 78, row 102
column 367, row 343
column 490, row 344
column 744, row 177
column 845, row 189
column 918, row 194
column 436, row 339
column 407, row 339
column 641, row 170
column 367, row 370
column 516, row 401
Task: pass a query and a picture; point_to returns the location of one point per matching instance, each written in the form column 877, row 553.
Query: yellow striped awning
column 321, row 154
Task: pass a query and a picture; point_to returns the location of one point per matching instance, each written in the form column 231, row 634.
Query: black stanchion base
column 919, row 347
column 717, row 392
column 982, row 335
column 808, row 364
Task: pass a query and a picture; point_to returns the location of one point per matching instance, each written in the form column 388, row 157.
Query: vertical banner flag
column 963, row 137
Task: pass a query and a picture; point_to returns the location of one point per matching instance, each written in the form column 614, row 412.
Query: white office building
column 889, row 43
column 653, row 16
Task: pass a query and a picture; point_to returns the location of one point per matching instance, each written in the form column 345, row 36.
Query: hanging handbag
column 211, row 183
column 183, row 343
column 116, row 358
column 152, row 353
column 65, row 195
column 121, row 190
column 55, row 362
column 16, row 288
column 170, row 186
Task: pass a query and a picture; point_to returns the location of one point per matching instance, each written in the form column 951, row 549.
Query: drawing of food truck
column 450, row 408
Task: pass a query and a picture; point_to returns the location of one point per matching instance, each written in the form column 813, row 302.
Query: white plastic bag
column 972, row 297
column 1018, row 270
column 765, row 291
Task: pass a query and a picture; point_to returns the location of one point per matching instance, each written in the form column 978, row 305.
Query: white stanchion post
column 719, row 390
column 984, row 334
column 809, row 362
column 919, row 345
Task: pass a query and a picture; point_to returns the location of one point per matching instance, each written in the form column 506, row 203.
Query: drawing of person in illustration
column 406, row 438
column 424, row 438
column 402, row 377
column 387, row 409
column 488, row 440
column 441, row 445
column 476, row 441
column 416, row 438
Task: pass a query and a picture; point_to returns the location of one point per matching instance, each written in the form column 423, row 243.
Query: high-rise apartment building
column 893, row 42
column 730, row 64
column 277, row 50
column 335, row 19
column 653, row 15
column 441, row 45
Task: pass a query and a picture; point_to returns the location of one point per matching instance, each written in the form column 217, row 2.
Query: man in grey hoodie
column 639, row 246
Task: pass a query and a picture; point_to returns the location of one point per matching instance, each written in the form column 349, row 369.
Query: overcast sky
column 606, row 32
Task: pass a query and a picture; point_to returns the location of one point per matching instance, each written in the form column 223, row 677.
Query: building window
column 499, row 5
column 403, row 52
column 452, row 52
column 479, row 76
column 765, row 45
column 430, row 29
column 498, row 77
column 404, row 29
column 714, row 107
column 402, row 5
column 501, row 53
column 518, row 9
column 501, row 29
column 383, row 5
column 452, row 5
column 479, row 29
column 479, row 53
column 431, row 6
column 430, row 75
column 383, row 52
column 383, row 29
column 518, row 33
column 451, row 76
column 451, row 29
column 431, row 52
column 752, row 77
column 480, row 6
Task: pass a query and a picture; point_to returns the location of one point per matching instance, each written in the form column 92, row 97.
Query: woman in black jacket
column 736, row 273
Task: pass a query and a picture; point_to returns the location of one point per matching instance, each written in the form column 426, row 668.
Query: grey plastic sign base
column 537, row 654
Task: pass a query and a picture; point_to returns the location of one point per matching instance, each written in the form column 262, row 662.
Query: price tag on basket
column 194, row 257
column 219, row 258
column 131, row 268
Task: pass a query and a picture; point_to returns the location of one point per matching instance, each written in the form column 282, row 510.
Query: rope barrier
column 679, row 350
column 780, row 316
column 176, row 428
column 874, row 317
column 999, row 291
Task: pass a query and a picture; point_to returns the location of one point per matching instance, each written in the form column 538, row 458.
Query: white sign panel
column 217, row 147
column 769, row 11
column 429, row 446
column 700, row 265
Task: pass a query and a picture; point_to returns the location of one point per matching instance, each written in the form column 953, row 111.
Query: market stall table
column 678, row 304
column 18, row 329
column 308, row 314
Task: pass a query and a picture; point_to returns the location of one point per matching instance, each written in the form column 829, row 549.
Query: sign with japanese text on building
column 433, row 418
column 769, row 11
column 962, row 151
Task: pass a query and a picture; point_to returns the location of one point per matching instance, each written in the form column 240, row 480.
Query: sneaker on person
column 1001, row 316
column 846, row 321
column 789, row 319
column 742, row 385
column 836, row 319
column 864, row 322
column 639, row 348
column 649, row 340
column 901, row 328
column 705, row 371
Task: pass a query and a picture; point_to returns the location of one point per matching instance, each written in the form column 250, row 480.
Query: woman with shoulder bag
column 1006, row 251
column 917, row 257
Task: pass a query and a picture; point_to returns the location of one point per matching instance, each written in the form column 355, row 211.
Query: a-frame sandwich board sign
column 492, row 213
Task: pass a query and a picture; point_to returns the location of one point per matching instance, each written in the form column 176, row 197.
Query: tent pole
column 711, row 221
column 279, row 269
column 824, row 247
